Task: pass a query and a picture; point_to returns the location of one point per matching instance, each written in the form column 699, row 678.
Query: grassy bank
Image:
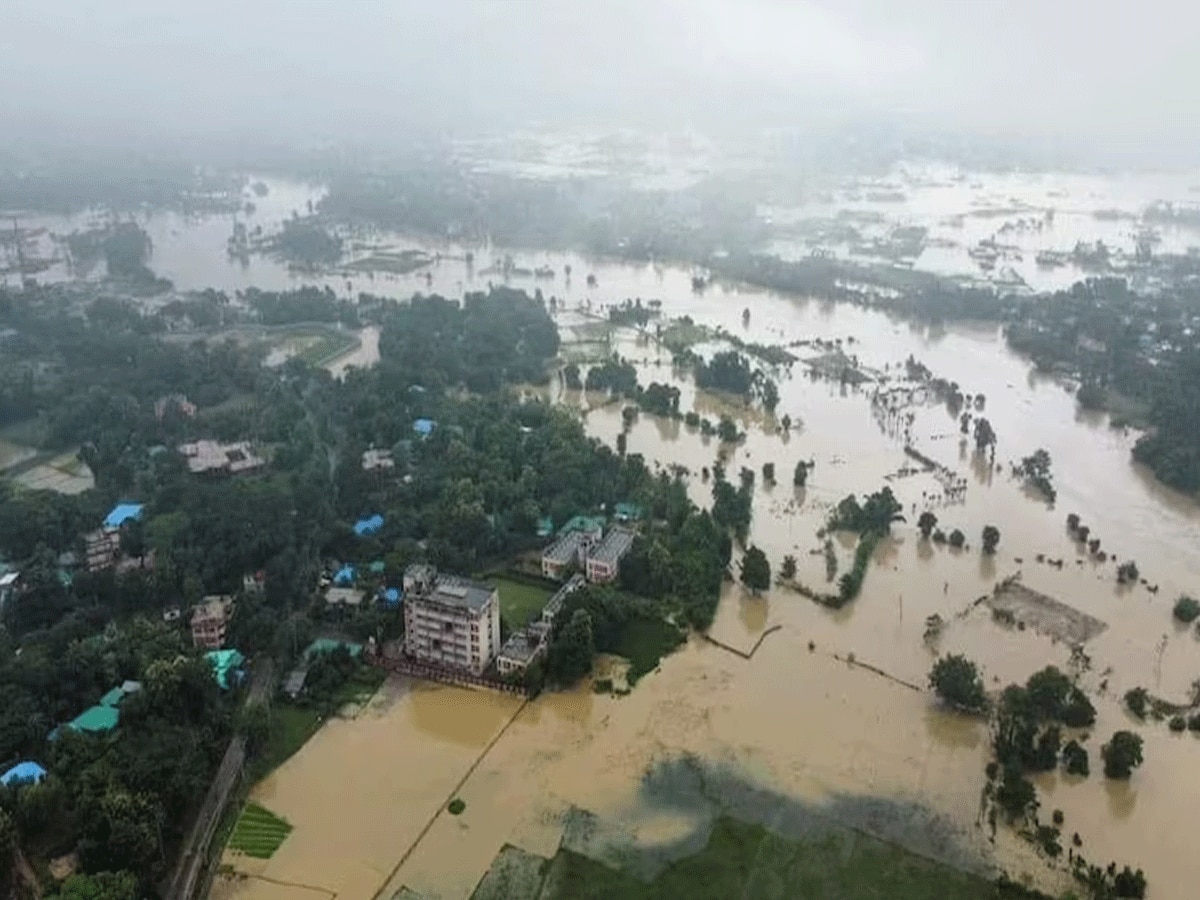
column 743, row 860
column 518, row 601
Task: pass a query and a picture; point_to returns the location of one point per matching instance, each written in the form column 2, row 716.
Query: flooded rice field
column 829, row 717
column 844, row 730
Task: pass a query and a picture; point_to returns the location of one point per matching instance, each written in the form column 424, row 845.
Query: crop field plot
column 258, row 832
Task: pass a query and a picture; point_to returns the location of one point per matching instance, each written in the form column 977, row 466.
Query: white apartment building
column 450, row 621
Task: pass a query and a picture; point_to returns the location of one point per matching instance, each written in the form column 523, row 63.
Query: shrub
column 1177, row 723
column 456, row 806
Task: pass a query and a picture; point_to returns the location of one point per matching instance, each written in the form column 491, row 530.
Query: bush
column 1177, row 723
column 957, row 539
column 456, row 806
column 1187, row 609
column 1193, row 722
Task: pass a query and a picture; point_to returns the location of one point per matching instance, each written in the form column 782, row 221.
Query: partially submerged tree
column 926, row 523
column 956, row 681
column 755, row 569
column 1122, row 754
column 991, row 538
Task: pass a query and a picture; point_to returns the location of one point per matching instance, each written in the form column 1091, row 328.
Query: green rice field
column 258, row 832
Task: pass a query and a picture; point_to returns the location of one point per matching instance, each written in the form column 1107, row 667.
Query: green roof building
column 628, row 512
column 587, row 525
column 224, row 662
column 97, row 720
column 328, row 645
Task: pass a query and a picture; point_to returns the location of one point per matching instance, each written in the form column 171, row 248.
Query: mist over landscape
column 536, row 450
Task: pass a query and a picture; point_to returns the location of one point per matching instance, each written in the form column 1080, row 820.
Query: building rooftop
column 424, row 427
column 213, row 607
column 368, row 525
column 122, row 513
column 374, row 460
column 344, row 596
column 120, row 692
column 523, row 644
column 628, row 512
column 584, row 524
column 223, row 662
column 555, row 603
column 615, row 545
column 453, row 590
column 564, row 549
column 344, row 575
column 25, row 772
column 96, row 720
column 328, row 645
column 213, row 456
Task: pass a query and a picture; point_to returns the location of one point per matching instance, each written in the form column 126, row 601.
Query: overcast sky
column 1080, row 70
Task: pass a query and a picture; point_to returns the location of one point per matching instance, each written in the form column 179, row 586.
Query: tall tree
column 755, row 569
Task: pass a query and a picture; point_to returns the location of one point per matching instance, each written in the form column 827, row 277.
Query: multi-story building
column 210, row 621
column 560, row 557
column 449, row 620
column 604, row 561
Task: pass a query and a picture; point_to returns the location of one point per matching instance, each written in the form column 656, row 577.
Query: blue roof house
column 122, row 513
column 391, row 596
column 26, row 772
column 424, row 427
column 368, row 526
column 344, row 575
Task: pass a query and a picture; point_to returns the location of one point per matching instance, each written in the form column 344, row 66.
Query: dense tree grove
column 956, row 680
column 465, row 492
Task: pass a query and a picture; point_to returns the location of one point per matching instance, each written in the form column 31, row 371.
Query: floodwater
column 807, row 725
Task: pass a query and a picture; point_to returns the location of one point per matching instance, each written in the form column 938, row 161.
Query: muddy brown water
column 365, row 794
column 805, row 724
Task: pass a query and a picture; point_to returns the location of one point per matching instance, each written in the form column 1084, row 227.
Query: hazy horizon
column 1106, row 83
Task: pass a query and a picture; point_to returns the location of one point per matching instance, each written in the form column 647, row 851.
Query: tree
column 1136, row 700
column 1072, row 522
column 1016, row 794
column 1075, row 759
column 786, row 422
column 756, row 571
column 957, row 539
column 926, row 523
column 571, row 651
column 955, row 679
column 8, row 844
column 984, row 435
column 1187, row 609
column 100, row 886
column 727, row 430
column 991, row 538
column 788, row 570
column 1122, row 754
column 1127, row 572
column 800, row 477
column 1054, row 697
column 768, row 471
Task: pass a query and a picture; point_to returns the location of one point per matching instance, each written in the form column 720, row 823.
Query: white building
column 450, row 621
column 604, row 561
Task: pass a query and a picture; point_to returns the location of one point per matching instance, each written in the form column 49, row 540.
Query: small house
column 25, row 772
column 604, row 562
column 122, row 513
column 369, row 525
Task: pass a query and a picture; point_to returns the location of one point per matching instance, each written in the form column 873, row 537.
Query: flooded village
column 785, row 713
